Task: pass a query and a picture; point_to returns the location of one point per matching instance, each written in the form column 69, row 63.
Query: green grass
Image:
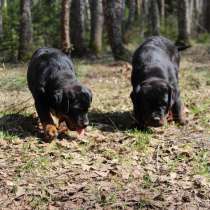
column 82, row 68
column 147, row 182
column 13, row 82
column 104, row 198
column 201, row 108
column 4, row 135
column 172, row 165
column 110, row 154
column 37, row 165
column 203, row 38
column 142, row 140
column 40, row 201
column 201, row 163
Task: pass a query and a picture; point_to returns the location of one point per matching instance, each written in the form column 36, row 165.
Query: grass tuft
column 142, row 140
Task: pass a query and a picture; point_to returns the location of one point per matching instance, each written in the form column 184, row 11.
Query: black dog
column 56, row 91
column 155, row 83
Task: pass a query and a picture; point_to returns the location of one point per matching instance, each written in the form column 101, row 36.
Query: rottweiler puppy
column 154, row 78
column 57, row 92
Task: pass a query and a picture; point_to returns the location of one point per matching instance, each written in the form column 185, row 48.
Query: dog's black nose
column 84, row 124
column 157, row 121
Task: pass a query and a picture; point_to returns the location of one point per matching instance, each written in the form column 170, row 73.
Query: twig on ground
column 157, row 158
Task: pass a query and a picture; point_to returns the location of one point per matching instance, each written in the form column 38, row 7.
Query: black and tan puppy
column 56, row 91
column 154, row 79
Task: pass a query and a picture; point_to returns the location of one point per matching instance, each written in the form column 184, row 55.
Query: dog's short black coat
column 55, row 89
column 155, row 82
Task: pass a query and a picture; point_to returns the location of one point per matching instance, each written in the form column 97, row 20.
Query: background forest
column 89, row 27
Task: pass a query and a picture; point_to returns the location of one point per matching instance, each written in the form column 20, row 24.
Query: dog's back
column 156, row 57
column 44, row 63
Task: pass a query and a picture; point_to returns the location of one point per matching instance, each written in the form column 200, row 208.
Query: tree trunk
column 162, row 10
column 1, row 18
column 25, row 30
column 65, row 36
column 190, row 16
column 198, row 17
column 113, row 20
column 132, row 12
column 144, row 17
column 131, row 18
column 183, row 23
column 87, row 16
column 138, row 9
column 206, row 13
column 154, row 18
column 96, row 9
column 77, row 24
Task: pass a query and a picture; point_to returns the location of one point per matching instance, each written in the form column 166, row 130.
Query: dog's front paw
column 50, row 132
column 63, row 131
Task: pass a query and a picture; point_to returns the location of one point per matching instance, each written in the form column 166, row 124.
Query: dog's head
column 72, row 103
column 151, row 101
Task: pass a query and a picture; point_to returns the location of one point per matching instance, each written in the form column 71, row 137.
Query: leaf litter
column 112, row 166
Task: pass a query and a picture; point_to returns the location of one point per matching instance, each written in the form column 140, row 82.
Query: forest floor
column 113, row 166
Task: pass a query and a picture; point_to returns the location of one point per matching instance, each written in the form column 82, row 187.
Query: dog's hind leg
column 43, row 111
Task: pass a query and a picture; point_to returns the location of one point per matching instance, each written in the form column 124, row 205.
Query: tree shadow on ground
column 20, row 125
column 112, row 121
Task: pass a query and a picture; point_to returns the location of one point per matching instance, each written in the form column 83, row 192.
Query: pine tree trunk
column 138, row 9
column 154, row 18
column 87, row 16
column 113, row 20
column 132, row 12
column 144, row 17
column 206, row 13
column 1, row 18
column 25, row 30
column 198, row 17
column 190, row 16
column 96, row 9
column 77, row 25
column 65, row 36
column 183, row 23
column 162, row 11
column 131, row 18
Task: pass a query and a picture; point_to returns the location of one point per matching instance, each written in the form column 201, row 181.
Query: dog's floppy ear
column 88, row 93
column 137, row 89
column 57, row 97
column 132, row 96
column 68, row 98
column 135, row 92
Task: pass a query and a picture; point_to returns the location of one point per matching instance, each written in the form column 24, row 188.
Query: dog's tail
column 182, row 46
